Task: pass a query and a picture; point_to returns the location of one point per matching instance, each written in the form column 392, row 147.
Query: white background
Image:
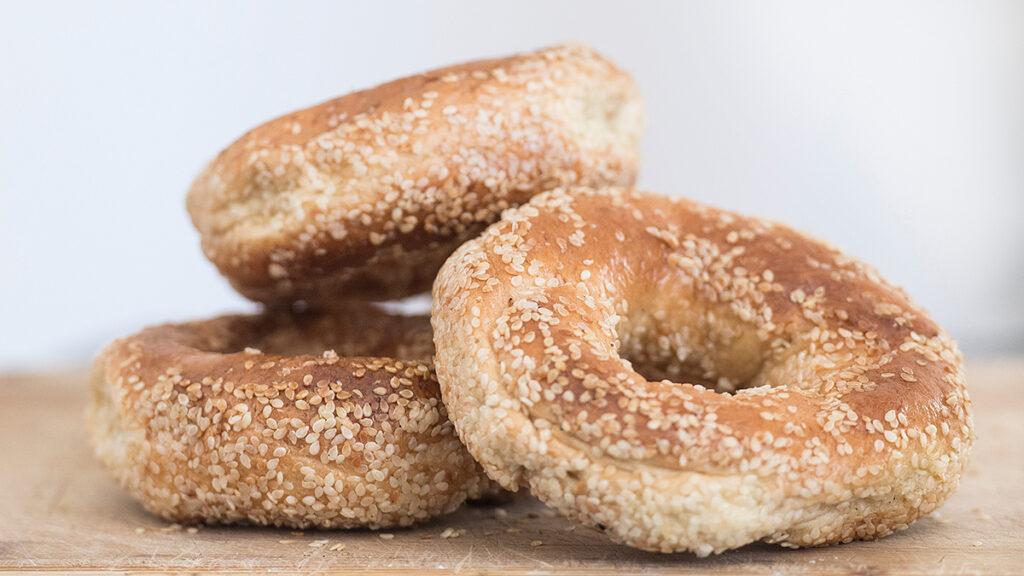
column 892, row 129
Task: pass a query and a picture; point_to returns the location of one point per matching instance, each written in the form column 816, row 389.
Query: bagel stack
column 683, row 377
column 322, row 410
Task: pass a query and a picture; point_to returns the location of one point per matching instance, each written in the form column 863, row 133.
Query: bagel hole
column 608, row 115
column 724, row 356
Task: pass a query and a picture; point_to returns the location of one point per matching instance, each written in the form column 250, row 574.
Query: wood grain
column 60, row 511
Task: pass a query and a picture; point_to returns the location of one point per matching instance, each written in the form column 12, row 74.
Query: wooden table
column 60, row 511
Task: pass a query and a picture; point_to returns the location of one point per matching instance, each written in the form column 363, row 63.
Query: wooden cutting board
column 60, row 511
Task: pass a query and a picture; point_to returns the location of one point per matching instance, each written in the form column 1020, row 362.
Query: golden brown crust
column 367, row 194
column 849, row 419
column 314, row 420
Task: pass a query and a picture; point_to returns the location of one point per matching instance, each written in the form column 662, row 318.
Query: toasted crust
column 849, row 420
column 366, row 195
column 337, row 423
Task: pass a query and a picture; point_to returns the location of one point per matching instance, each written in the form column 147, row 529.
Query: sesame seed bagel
column 315, row 420
column 367, row 194
column 693, row 379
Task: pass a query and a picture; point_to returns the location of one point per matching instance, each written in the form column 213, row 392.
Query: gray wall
column 893, row 130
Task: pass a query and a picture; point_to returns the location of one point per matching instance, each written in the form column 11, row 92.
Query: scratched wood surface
column 60, row 511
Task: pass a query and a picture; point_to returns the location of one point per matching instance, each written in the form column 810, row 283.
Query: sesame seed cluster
column 329, row 420
column 367, row 195
column 693, row 379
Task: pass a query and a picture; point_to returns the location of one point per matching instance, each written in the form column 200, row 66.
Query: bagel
column 367, row 194
column 326, row 420
column 785, row 393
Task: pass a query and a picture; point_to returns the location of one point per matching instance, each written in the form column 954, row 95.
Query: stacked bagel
column 686, row 377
